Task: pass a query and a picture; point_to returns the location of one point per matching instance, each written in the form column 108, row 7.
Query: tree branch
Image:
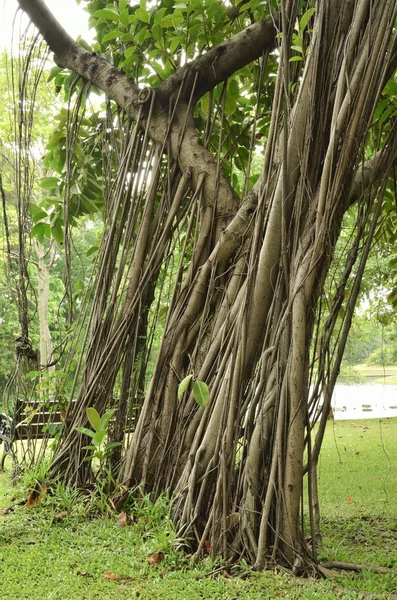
column 220, row 62
column 373, row 168
column 208, row 70
column 96, row 69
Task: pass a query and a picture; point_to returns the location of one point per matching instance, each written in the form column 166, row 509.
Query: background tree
column 248, row 253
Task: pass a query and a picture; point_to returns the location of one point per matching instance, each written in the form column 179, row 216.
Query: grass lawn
column 44, row 556
column 377, row 373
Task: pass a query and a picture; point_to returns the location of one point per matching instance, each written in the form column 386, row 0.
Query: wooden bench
column 35, row 420
column 31, row 420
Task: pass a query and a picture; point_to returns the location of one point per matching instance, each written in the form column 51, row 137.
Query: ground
column 57, row 550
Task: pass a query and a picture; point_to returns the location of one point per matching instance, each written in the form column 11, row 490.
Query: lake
column 367, row 401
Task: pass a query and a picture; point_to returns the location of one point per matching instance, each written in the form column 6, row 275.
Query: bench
column 35, row 420
column 31, row 420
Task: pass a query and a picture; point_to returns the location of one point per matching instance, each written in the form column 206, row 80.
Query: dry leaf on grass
column 59, row 516
column 37, row 494
column 111, row 576
column 122, row 519
column 5, row 511
column 155, row 558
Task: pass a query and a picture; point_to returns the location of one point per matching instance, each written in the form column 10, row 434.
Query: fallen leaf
column 59, row 516
column 111, row 576
column 73, row 566
column 5, row 511
column 37, row 494
column 226, row 574
column 155, row 558
column 350, row 499
column 84, row 574
column 357, row 453
column 122, row 519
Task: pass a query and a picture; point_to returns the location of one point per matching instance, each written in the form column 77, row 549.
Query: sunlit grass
column 42, row 556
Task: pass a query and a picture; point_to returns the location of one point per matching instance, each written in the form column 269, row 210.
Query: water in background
column 366, row 401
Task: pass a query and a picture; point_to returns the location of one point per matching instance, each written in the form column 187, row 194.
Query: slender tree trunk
column 45, row 261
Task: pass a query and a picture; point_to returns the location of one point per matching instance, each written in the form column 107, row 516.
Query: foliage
column 199, row 389
column 101, row 449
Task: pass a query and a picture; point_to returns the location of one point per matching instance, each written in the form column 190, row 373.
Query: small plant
column 200, row 390
column 100, row 447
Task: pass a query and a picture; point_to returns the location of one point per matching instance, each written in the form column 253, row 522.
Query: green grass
column 42, row 557
column 376, row 373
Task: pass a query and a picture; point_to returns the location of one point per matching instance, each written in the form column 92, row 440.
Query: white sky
column 73, row 18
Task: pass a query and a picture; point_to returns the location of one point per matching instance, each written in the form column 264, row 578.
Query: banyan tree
column 231, row 142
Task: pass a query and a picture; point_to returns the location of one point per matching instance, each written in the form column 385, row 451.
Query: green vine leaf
column 182, row 387
column 201, row 393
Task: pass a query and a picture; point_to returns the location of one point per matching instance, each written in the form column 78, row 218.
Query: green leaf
column 38, row 231
column 159, row 15
column 54, row 140
column 234, row 88
column 89, row 206
column 57, row 232
column 305, row 19
column 107, row 13
column 182, row 387
column 230, row 105
column 112, row 35
column 129, row 51
column 124, row 14
column 176, row 41
column 54, row 72
column 112, row 445
column 295, row 59
column 93, row 417
column 92, row 250
column 157, row 32
column 380, row 108
column 49, row 183
column 143, row 15
column 387, row 113
column 37, row 213
column 89, row 448
column 98, row 437
column 201, row 393
column 47, row 230
column 122, row 4
column 142, row 35
column 106, row 418
column 85, row 431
